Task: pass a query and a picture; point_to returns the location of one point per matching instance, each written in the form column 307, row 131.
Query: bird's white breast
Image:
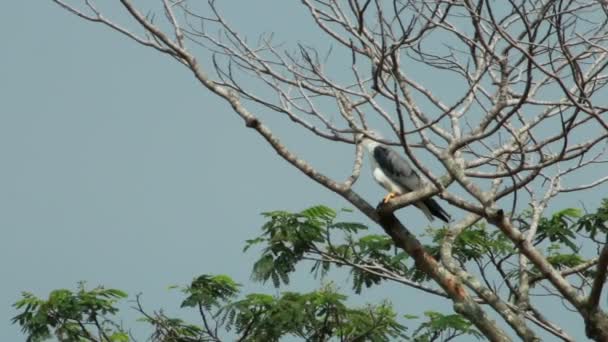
column 385, row 181
column 377, row 172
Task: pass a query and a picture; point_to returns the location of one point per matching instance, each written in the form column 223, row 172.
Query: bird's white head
column 369, row 140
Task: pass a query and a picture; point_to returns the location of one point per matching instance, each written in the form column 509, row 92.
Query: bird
column 395, row 174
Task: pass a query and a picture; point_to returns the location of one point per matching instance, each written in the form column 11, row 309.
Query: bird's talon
column 388, row 197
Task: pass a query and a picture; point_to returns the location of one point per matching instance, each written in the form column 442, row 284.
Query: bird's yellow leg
column 390, row 196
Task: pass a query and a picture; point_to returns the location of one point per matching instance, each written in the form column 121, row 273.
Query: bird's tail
column 424, row 208
column 434, row 209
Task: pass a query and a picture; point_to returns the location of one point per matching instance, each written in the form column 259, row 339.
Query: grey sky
column 119, row 169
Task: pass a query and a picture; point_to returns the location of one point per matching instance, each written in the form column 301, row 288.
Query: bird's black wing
column 399, row 171
column 397, row 168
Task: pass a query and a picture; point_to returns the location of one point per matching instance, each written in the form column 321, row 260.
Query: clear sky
column 117, row 168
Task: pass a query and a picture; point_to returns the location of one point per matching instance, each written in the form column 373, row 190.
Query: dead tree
column 523, row 119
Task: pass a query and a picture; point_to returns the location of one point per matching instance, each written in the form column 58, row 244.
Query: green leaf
column 209, row 291
column 119, row 337
column 68, row 313
column 594, row 223
column 439, row 324
column 319, row 212
column 559, row 228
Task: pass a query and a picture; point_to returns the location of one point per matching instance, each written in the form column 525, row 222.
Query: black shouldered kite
column 396, row 175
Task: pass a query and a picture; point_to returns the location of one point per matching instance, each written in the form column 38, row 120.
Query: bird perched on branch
column 396, row 175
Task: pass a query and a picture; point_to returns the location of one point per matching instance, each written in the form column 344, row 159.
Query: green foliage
column 119, row 336
column 67, row 314
column 289, row 238
column 318, row 315
column 286, row 239
column 169, row 329
column 314, row 316
column 374, row 323
column 561, row 261
column 314, row 235
column 444, row 327
column 558, row 228
column 561, row 230
column 210, row 291
column 595, row 223
column 475, row 242
column 378, row 250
